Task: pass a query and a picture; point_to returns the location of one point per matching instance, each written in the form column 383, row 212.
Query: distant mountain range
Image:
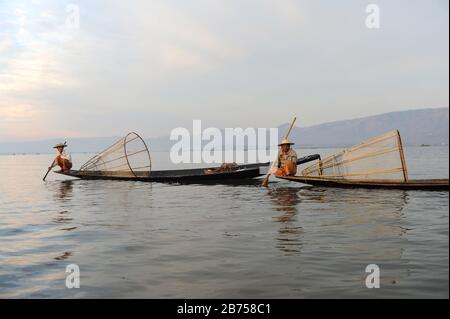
column 417, row 127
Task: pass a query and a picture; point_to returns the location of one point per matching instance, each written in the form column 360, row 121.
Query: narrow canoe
column 418, row 184
column 242, row 174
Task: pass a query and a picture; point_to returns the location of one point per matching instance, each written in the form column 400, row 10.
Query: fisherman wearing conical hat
column 287, row 159
column 63, row 158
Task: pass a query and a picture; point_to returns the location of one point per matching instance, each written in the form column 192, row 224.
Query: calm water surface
column 133, row 239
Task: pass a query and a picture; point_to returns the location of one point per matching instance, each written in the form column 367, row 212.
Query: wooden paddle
column 48, row 170
column 265, row 182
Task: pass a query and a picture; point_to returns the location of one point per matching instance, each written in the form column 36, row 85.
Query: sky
column 102, row 68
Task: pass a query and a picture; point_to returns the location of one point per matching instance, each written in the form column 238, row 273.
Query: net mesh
column 378, row 158
column 129, row 156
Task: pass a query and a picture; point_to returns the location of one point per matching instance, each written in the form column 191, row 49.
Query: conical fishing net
column 379, row 158
column 129, row 156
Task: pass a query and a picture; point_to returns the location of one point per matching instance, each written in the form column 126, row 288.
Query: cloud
column 37, row 69
column 5, row 45
column 172, row 35
column 17, row 113
column 173, row 56
column 152, row 65
column 288, row 11
column 20, row 119
column 28, row 121
column 33, row 52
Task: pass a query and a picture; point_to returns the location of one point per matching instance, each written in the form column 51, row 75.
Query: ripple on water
column 152, row 240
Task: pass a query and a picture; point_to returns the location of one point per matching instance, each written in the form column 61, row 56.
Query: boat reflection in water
column 367, row 226
column 350, row 228
column 286, row 202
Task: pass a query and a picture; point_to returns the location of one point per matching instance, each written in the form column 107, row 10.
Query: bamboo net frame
column 381, row 157
column 129, row 156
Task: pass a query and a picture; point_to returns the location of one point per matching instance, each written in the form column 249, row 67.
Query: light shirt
column 291, row 155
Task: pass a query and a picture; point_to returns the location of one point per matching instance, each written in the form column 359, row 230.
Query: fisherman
column 287, row 159
column 63, row 158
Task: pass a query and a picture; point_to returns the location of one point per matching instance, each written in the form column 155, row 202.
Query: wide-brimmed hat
column 285, row 141
column 60, row 145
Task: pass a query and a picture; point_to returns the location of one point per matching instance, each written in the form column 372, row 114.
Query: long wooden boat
column 375, row 163
column 242, row 174
column 418, row 184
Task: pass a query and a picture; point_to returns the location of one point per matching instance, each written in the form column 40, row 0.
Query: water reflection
column 64, row 190
column 164, row 239
column 63, row 194
column 62, row 218
column 368, row 226
column 286, row 202
column 351, row 207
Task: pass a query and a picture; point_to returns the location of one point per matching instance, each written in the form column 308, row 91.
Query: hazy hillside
column 417, row 127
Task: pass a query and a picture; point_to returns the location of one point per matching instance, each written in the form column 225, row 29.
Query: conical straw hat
column 285, row 141
column 60, row 145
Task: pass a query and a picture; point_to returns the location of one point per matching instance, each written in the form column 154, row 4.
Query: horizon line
column 280, row 125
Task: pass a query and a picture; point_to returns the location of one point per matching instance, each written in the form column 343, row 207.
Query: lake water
column 133, row 239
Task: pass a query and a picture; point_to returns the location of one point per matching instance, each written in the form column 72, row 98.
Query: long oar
column 265, row 182
column 48, row 171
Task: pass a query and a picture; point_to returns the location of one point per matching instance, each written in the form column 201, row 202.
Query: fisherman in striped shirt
column 287, row 160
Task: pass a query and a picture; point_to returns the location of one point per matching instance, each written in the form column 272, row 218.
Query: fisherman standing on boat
column 63, row 158
column 287, row 159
